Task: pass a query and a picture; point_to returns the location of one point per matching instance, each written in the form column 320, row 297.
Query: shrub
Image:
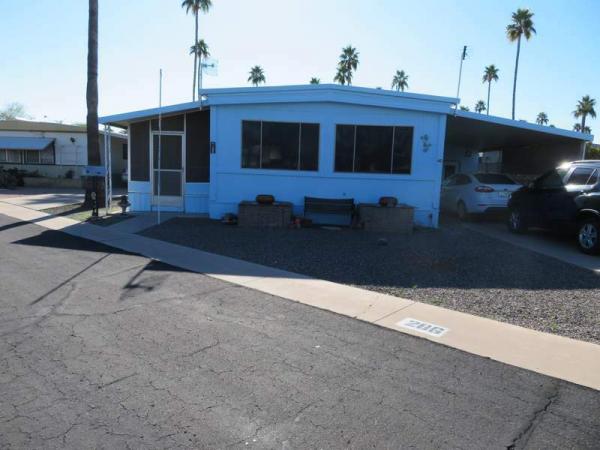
column 7, row 179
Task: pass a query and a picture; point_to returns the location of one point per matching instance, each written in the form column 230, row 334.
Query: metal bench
column 329, row 207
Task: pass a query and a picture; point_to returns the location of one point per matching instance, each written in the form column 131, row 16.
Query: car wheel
column 461, row 211
column 588, row 236
column 516, row 222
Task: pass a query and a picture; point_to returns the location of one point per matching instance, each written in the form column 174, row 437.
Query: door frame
column 168, row 201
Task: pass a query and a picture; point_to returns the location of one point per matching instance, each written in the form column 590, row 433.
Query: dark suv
column 564, row 199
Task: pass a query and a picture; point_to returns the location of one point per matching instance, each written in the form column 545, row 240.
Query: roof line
column 329, row 87
column 180, row 107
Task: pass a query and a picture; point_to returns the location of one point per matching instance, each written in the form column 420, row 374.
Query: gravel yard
column 450, row 267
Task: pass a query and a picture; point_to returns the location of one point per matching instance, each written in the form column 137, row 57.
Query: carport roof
column 480, row 132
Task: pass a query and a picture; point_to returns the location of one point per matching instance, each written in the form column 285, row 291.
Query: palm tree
column 480, row 106
column 93, row 184
column 93, row 139
column 347, row 64
column 464, row 108
column 314, row 80
column 585, row 107
column 521, row 25
column 400, row 81
column 340, row 76
column 542, row 118
column 577, row 127
column 257, row 76
column 490, row 74
column 200, row 52
column 195, row 6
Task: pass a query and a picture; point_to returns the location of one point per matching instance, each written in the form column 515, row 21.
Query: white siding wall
column 231, row 184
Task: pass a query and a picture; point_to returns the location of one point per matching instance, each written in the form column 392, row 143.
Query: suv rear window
column 493, row 178
column 583, row 175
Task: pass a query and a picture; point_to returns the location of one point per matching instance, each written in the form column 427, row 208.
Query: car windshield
column 493, row 178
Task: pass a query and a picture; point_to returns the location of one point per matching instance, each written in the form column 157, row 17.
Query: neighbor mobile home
column 53, row 150
column 326, row 141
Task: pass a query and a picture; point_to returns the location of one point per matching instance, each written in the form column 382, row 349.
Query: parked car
column 476, row 193
column 564, row 199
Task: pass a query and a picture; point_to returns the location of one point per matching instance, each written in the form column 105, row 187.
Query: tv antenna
column 208, row 66
column 463, row 55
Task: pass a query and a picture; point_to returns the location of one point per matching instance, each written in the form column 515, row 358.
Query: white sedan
column 476, row 193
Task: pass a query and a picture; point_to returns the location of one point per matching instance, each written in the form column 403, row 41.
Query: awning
column 24, row 143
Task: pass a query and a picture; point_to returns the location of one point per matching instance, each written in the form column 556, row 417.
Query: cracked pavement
column 104, row 349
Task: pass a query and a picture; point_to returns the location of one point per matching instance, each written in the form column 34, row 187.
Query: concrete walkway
column 44, row 198
column 556, row 356
column 140, row 222
column 540, row 242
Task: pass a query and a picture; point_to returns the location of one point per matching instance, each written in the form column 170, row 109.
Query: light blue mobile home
column 326, row 141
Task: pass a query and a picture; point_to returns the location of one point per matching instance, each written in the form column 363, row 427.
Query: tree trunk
column 488, row 101
column 195, row 58
column 93, row 140
column 93, row 184
column 515, row 81
column 583, row 123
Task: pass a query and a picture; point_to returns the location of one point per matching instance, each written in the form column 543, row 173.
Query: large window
column 373, row 149
column 280, row 145
column 27, row 156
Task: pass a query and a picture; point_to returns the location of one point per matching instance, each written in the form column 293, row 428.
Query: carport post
column 106, row 174
column 583, row 147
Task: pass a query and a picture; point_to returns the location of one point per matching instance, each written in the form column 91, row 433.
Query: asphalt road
column 101, row 349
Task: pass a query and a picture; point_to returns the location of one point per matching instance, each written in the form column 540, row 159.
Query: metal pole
column 105, row 169
column 200, row 79
column 109, row 171
column 159, row 139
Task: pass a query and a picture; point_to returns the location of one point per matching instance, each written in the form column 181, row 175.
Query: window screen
column 344, row 148
column 14, row 156
column 47, row 156
column 32, row 156
column 197, row 147
column 140, row 156
column 373, row 149
column 280, row 145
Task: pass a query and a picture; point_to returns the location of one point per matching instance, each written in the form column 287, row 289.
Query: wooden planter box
column 276, row 215
column 398, row 219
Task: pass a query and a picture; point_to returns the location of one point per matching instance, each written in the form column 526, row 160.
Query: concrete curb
column 568, row 359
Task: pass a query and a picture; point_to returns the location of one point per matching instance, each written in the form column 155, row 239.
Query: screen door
column 169, row 173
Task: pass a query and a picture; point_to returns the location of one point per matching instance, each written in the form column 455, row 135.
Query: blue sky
column 43, row 50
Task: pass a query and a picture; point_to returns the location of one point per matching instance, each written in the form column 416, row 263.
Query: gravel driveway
column 450, row 267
